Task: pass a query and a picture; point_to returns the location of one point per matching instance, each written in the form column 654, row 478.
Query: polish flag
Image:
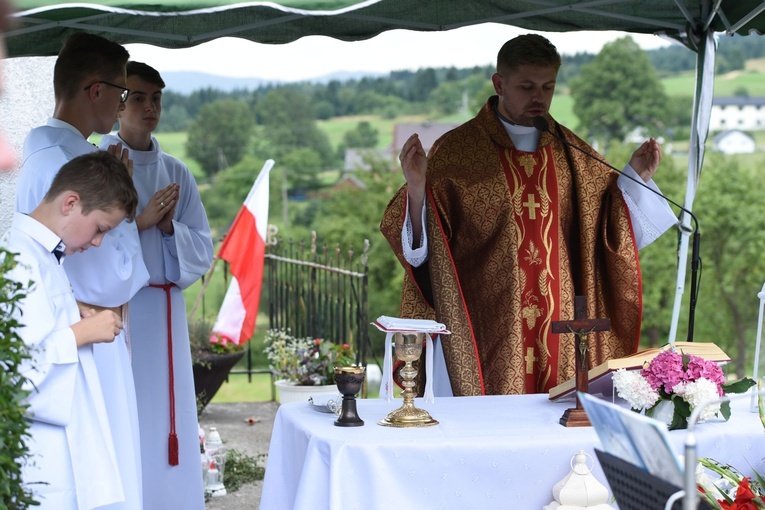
column 244, row 248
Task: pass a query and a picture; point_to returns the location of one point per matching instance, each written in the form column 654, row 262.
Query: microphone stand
column 543, row 125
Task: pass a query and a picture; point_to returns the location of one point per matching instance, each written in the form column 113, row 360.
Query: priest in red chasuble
column 501, row 225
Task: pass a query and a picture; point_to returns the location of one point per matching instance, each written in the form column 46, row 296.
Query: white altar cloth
column 495, row 452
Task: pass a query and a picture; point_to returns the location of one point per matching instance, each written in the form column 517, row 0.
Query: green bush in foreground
column 13, row 425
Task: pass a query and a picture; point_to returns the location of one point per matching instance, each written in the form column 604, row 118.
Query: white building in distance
column 737, row 112
column 733, row 141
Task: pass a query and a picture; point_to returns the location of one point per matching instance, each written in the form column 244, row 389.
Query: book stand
column 636, row 489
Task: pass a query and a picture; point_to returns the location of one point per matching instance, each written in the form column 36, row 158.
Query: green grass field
column 239, row 389
column 725, row 85
column 175, row 144
column 337, row 127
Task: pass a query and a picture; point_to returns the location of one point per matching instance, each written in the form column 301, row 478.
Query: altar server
column 72, row 462
column 178, row 250
column 89, row 86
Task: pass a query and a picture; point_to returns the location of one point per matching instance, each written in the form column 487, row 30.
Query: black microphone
column 542, row 125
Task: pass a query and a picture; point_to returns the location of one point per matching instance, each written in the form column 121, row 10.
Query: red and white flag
column 244, row 248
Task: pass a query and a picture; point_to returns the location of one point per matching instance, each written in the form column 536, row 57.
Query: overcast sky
column 316, row 56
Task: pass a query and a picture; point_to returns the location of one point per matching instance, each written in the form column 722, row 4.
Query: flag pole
column 263, row 172
column 243, row 248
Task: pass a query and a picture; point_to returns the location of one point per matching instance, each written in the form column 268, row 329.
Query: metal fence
column 316, row 292
column 319, row 292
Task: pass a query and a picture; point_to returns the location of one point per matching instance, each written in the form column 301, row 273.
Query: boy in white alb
column 177, row 250
column 89, row 84
column 72, row 462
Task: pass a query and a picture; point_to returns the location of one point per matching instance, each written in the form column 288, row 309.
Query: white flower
column 715, row 486
column 698, row 392
column 633, row 387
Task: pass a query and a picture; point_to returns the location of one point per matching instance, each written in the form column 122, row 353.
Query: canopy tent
column 41, row 28
column 184, row 23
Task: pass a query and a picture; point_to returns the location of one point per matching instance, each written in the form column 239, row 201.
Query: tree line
column 431, row 89
column 610, row 99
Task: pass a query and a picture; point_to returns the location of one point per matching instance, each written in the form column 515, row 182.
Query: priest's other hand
column 645, row 160
column 414, row 163
column 98, row 327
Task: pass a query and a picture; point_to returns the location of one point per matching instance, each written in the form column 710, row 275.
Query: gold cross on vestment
column 530, row 359
column 531, row 205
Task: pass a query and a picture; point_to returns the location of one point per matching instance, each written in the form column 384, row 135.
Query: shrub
column 13, row 426
column 305, row 361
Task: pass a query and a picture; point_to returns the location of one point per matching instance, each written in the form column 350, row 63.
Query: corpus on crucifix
column 581, row 326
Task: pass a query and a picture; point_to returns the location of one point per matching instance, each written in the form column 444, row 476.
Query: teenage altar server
column 89, row 86
column 178, row 250
column 72, row 462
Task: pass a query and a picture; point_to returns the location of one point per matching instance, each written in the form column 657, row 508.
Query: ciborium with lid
column 408, row 348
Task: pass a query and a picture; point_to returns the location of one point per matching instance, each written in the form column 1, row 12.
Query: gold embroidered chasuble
column 512, row 237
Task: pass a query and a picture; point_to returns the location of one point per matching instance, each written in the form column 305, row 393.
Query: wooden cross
column 581, row 326
column 531, row 205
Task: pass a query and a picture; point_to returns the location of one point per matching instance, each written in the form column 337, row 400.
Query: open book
column 600, row 376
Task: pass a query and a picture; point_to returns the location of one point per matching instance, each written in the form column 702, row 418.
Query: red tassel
column 172, row 450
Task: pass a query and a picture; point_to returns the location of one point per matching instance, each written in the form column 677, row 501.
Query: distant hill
column 186, row 82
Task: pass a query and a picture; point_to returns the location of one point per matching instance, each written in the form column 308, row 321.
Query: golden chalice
column 408, row 348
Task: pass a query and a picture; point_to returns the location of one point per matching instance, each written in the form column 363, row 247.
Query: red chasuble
column 512, row 237
column 532, row 178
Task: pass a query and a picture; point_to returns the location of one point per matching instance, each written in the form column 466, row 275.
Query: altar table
column 494, row 452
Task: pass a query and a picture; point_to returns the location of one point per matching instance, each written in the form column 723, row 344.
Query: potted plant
column 211, row 360
column 304, row 366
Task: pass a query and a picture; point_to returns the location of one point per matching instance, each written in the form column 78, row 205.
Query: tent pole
column 702, row 108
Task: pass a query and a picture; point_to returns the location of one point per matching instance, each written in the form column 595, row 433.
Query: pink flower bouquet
column 685, row 381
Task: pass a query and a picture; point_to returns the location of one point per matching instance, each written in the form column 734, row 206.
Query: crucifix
column 581, row 326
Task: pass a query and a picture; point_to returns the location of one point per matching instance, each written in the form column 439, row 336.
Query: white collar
column 58, row 123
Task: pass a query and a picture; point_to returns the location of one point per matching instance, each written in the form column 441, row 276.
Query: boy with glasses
column 89, row 83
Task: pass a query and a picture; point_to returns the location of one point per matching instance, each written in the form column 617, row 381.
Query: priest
column 501, row 225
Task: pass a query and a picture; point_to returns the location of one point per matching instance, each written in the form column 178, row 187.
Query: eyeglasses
column 123, row 94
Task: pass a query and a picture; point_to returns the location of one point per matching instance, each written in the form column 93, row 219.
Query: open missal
column 600, row 377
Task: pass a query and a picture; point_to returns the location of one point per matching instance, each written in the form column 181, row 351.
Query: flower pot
column 211, row 371
column 292, row 392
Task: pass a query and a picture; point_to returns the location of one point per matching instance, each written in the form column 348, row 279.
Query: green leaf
column 739, row 386
column 682, row 413
column 725, row 410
